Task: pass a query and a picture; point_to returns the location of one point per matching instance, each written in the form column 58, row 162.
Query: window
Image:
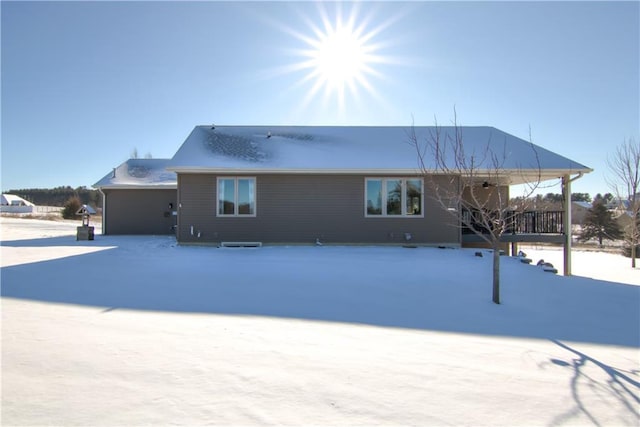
column 236, row 196
column 393, row 197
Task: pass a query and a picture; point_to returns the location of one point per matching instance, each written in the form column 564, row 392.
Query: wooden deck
column 527, row 226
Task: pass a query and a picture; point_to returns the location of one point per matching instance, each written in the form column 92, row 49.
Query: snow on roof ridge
column 326, row 148
column 140, row 173
column 215, row 126
column 329, row 147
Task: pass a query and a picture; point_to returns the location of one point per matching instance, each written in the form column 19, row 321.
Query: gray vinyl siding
column 303, row 208
column 144, row 211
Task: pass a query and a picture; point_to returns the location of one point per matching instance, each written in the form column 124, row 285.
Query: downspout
column 178, row 209
column 566, row 192
column 459, row 213
column 104, row 211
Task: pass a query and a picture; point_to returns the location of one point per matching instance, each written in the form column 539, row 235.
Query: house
column 11, row 203
column 622, row 211
column 13, row 200
column 579, row 211
column 307, row 184
column 624, row 220
column 139, row 197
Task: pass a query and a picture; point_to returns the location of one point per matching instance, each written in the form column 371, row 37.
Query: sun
column 340, row 54
column 340, row 57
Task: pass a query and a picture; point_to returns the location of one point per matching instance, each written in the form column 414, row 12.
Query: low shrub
column 71, row 206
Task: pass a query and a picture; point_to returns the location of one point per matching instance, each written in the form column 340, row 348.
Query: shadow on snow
column 70, row 240
column 618, row 385
column 424, row 288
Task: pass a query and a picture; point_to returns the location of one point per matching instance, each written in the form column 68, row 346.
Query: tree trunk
column 634, row 240
column 496, row 273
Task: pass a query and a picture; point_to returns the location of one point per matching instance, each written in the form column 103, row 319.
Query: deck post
column 566, row 200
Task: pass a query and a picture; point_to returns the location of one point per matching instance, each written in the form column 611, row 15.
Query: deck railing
column 527, row 222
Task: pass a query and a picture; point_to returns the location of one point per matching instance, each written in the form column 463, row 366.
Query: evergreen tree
column 553, row 197
column 607, row 198
column 599, row 224
column 580, row 197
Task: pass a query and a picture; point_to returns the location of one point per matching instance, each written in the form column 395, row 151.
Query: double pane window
column 393, row 197
column 236, row 197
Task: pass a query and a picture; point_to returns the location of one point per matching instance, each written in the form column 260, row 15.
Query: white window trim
column 235, row 197
column 403, row 201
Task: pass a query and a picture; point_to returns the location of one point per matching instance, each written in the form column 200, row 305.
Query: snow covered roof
column 13, row 200
column 140, row 173
column 350, row 149
column 86, row 210
column 585, row 205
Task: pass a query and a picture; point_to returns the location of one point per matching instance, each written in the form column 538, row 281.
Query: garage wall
column 142, row 211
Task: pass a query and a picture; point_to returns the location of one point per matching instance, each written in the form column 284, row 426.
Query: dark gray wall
column 138, row 211
column 302, row 208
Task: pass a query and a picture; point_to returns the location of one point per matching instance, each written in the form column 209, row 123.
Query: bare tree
column 134, row 153
column 476, row 186
column 624, row 166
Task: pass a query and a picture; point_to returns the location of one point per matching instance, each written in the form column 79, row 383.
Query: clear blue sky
column 84, row 84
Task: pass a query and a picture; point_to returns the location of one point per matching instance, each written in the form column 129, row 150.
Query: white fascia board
column 138, row 187
column 561, row 172
column 551, row 173
column 544, row 173
column 531, row 176
column 227, row 171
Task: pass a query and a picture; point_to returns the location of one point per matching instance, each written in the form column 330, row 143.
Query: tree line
column 551, row 200
column 59, row 196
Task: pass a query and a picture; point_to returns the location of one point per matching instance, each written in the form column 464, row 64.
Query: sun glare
column 340, row 56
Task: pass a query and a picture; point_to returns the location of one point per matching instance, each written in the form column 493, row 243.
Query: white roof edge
column 548, row 172
column 573, row 171
column 262, row 171
column 137, row 187
column 259, row 171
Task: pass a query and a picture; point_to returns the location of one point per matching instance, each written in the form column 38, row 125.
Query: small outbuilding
column 15, row 204
column 13, row 200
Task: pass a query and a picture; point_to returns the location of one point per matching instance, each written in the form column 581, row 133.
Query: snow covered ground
column 128, row 330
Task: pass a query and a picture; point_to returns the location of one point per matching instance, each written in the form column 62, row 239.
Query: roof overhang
column 506, row 177
column 137, row 187
column 517, row 177
column 277, row 171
